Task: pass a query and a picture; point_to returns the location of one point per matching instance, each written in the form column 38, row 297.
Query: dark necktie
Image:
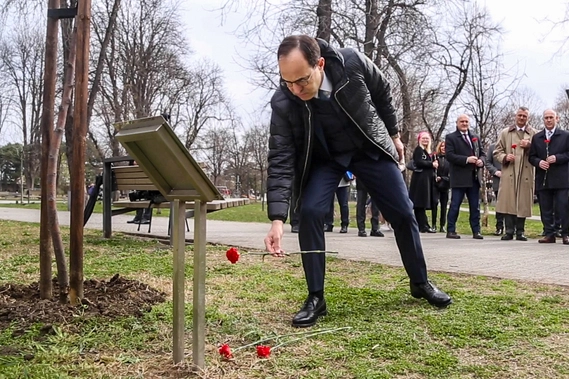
column 323, row 94
column 465, row 136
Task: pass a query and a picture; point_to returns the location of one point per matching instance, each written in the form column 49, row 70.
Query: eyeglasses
column 302, row 82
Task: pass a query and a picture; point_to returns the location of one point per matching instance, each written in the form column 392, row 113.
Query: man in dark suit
column 549, row 153
column 333, row 113
column 494, row 167
column 466, row 159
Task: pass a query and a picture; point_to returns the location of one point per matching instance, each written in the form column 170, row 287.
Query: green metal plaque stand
column 171, row 168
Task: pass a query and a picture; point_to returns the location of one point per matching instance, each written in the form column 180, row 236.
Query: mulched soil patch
column 115, row 298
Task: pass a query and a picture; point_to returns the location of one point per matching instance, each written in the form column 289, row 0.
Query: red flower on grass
column 514, row 146
column 232, row 255
column 225, row 351
column 263, row 351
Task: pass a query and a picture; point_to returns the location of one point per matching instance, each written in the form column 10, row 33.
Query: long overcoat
column 515, row 194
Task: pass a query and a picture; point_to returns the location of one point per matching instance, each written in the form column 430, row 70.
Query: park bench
column 131, row 178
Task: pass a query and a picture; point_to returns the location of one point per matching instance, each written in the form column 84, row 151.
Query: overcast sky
column 525, row 44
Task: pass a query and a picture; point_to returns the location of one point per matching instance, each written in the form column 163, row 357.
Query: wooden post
column 78, row 161
column 179, row 243
column 47, row 117
column 107, row 201
column 198, row 330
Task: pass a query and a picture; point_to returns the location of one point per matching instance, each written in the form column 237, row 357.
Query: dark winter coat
column 558, row 173
column 361, row 91
column 462, row 174
column 421, row 189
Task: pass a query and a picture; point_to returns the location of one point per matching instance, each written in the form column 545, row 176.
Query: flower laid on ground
column 233, row 254
column 264, row 351
column 225, row 351
column 514, row 146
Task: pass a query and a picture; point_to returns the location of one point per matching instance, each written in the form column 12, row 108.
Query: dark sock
column 318, row 294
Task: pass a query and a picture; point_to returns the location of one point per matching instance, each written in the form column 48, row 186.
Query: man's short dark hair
column 306, row 44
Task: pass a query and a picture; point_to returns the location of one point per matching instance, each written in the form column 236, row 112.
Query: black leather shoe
column 145, row 221
column 558, row 234
column 507, row 237
column 431, row 293
column 133, row 221
column 565, row 240
column 294, row 229
column 328, row 228
column 453, row 235
column 362, row 233
column 442, row 229
column 477, row 236
column 521, row 237
column 344, row 229
column 499, row 232
column 376, row 233
column 313, row 308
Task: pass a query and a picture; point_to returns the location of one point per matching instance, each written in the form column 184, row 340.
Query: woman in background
column 442, row 186
column 422, row 188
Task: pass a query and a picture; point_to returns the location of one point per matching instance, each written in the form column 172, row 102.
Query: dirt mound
column 118, row 297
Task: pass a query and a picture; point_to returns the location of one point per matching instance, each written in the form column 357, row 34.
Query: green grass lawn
column 495, row 328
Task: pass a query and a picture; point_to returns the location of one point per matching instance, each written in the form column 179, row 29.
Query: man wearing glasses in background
column 333, row 113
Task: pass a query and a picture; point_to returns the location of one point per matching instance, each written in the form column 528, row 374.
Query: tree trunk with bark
column 59, row 250
column 324, row 13
column 46, row 131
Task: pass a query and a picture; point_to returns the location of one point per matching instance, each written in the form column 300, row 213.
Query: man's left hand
column 524, row 143
column 479, row 163
column 551, row 159
column 399, row 147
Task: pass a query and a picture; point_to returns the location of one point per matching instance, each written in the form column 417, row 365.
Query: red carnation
column 547, row 141
column 514, row 146
column 263, row 351
column 225, row 351
column 232, row 255
column 474, row 139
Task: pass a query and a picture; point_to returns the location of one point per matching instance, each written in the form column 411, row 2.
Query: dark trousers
column 499, row 216
column 387, row 189
column 342, row 193
column 443, row 200
column 473, row 196
column 361, row 203
column 421, row 216
column 514, row 224
column 554, row 201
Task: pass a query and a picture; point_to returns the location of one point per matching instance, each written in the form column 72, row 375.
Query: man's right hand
column 543, row 165
column 472, row 159
column 498, row 174
column 510, row 157
column 274, row 238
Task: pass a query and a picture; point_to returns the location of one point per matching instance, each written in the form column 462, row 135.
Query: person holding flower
column 466, row 158
column 549, row 153
column 333, row 112
column 515, row 193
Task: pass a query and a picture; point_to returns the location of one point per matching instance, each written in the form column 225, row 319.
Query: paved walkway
column 490, row 257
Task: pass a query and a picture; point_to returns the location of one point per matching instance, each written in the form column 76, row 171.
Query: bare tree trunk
column 46, row 132
column 59, row 250
column 78, row 168
column 324, row 13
